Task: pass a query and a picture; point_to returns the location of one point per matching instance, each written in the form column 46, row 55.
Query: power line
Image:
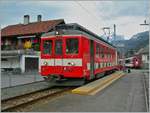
column 90, row 14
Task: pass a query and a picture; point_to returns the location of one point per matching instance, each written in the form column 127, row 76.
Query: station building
column 144, row 52
column 20, row 44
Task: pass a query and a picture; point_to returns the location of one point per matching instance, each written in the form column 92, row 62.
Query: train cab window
column 72, row 46
column 47, row 47
column 58, row 47
column 127, row 61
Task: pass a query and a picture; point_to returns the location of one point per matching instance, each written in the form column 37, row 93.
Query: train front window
column 72, row 46
column 47, row 47
column 58, row 47
column 127, row 61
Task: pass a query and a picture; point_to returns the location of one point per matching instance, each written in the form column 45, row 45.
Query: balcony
column 19, row 52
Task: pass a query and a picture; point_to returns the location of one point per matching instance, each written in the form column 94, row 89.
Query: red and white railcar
column 133, row 62
column 71, row 52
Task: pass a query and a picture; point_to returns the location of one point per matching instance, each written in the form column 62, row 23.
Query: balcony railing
column 19, row 52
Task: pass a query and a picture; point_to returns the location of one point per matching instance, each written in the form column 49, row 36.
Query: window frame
column 61, row 47
column 47, row 54
column 76, row 55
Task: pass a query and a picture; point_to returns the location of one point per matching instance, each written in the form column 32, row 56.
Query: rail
column 18, row 102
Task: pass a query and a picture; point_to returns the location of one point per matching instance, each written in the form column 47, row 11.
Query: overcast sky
column 127, row 15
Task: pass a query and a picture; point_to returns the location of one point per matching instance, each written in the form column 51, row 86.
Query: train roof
column 75, row 29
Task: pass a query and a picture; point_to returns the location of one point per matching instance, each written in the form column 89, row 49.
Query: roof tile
column 31, row 28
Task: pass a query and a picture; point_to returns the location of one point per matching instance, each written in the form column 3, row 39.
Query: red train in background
column 72, row 54
column 133, row 62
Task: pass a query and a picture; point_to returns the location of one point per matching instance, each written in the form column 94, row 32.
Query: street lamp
column 144, row 23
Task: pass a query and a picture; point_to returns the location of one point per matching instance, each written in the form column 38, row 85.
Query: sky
column 94, row 15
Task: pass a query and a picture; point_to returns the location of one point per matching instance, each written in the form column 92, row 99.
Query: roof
column 31, row 28
column 144, row 50
column 74, row 28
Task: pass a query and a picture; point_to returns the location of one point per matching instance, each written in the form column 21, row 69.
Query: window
column 58, row 47
column 148, row 57
column 102, row 52
column 47, row 46
column 72, row 46
column 97, row 50
column 4, row 59
column 99, row 66
column 127, row 61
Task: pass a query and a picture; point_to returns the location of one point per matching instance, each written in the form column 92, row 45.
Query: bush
column 37, row 47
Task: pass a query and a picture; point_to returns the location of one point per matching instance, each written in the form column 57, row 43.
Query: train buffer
column 98, row 85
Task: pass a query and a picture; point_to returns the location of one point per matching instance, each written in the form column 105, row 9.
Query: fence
column 9, row 79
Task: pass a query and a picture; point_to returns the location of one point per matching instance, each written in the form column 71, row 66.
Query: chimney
column 26, row 19
column 39, row 18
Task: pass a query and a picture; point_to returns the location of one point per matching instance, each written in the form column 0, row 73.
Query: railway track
column 18, row 102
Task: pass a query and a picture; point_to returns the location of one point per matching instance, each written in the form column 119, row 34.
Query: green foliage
column 36, row 47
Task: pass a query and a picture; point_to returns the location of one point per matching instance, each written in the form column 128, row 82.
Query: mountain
column 138, row 41
column 135, row 43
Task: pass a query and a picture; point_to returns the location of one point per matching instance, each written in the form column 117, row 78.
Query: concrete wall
column 10, row 62
column 145, row 60
column 17, row 62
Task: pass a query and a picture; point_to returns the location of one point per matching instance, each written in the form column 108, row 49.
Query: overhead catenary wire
column 94, row 17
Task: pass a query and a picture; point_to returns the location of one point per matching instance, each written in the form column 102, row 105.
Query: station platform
column 124, row 95
column 95, row 86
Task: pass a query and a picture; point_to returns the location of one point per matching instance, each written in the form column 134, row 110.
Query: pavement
column 8, row 79
column 124, row 95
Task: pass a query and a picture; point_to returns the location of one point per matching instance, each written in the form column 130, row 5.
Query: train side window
column 102, row 52
column 101, row 65
column 72, row 46
column 104, row 64
column 97, row 50
column 58, row 47
column 47, row 46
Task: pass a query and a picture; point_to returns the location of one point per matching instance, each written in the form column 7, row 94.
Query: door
column 91, row 59
column 58, row 56
column 31, row 64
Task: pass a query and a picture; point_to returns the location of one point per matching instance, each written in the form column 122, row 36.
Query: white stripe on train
column 61, row 62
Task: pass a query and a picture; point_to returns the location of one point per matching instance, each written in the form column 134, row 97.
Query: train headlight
column 72, row 64
column 57, row 33
column 45, row 63
column 136, row 62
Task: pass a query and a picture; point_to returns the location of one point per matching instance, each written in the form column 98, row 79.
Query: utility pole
column 114, row 32
column 107, row 28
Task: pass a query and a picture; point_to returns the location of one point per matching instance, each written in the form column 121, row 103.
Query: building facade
column 144, row 52
column 20, row 44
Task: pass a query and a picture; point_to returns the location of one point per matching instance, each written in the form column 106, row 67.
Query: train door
column 58, row 55
column 91, row 59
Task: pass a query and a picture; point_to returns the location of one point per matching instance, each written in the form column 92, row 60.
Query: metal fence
column 9, row 79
